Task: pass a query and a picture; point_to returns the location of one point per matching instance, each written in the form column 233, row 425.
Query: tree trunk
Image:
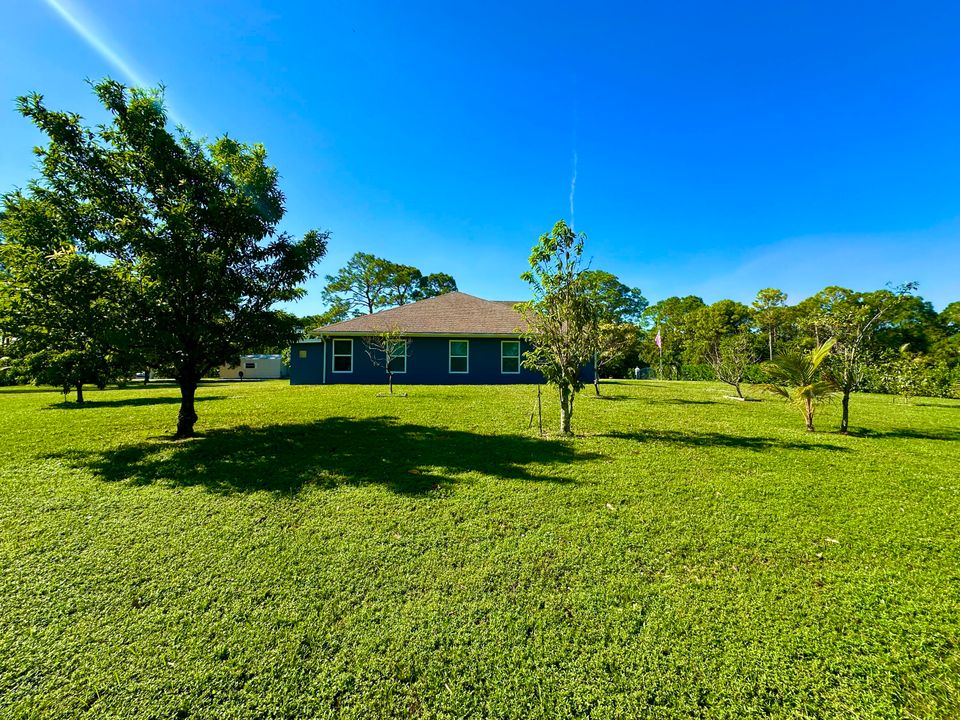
column 808, row 414
column 80, row 393
column 737, row 386
column 770, row 340
column 390, row 381
column 566, row 408
column 146, row 376
column 845, row 412
column 187, row 417
column 596, row 380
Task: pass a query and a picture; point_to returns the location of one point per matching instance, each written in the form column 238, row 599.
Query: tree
column 368, row 283
column 618, row 308
column 769, row 307
column 388, row 350
column 194, row 224
column 709, row 325
column 360, row 285
column 671, row 318
column 67, row 315
column 796, row 376
column 851, row 319
column 561, row 319
column 731, row 358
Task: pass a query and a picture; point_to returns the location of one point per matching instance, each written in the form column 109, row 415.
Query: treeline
column 901, row 343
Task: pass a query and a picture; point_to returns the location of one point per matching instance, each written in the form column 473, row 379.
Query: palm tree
column 796, row 376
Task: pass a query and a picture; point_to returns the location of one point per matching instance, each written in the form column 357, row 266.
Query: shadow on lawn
column 330, row 452
column 127, row 402
column 713, row 439
column 907, row 434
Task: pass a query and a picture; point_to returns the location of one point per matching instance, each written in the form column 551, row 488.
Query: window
column 250, row 365
column 343, row 356
column 303, row 354
column 510, row 357
column 459, row 356
column 398, row 358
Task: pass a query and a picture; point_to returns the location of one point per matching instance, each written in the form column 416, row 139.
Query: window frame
column 249, row 365
column 450, row 357
column 406, row 354
column 334, row 355
column 510, row 357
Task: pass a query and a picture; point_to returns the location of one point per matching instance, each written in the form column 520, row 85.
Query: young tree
column 730, row 358
column 797, row 377
column 561, row 319
column 851, row 319
column 769, row 307
column 388, row 350
column 195, row 225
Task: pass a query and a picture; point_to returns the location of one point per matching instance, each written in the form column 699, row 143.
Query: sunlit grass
column 322, row 551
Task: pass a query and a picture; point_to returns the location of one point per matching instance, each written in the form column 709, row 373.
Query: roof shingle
column 454, row 313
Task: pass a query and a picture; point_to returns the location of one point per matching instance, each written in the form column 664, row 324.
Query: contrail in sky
column 94, row 41
column 573, row 190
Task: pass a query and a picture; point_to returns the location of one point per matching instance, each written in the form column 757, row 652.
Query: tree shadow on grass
column 714, row 439
column 126, row 402
column 408, row 459
column 681, row 401
column 907, row 434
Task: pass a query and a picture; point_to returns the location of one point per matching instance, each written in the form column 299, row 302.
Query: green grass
column 327, row 552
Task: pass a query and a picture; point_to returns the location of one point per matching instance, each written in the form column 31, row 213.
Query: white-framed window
column 510, row 357
column 250, row 365
column 459, row 356
column 343, row 355
column 398, row 358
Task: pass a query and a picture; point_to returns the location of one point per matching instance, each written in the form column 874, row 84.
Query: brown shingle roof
column 454, row 313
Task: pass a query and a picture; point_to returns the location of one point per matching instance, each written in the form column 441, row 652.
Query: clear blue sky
column 720, row 147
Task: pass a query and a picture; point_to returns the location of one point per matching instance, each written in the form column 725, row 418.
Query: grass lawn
column 321, row 551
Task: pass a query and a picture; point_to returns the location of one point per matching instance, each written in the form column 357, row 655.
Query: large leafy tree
column 672, row 319
column 618, row 308
column 68, row 315
column 562, row 318
column 195, row 224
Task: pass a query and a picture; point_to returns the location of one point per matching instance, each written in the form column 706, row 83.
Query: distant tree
column 709, row 325
column 360, row 285
column 852, row 319
column 194, row 224
column 797, row 377
column 388, row 350
column 618, row 309
column 769, row 308
column 435, row 284
column 731, row 358
column 68, row 316
column 562, row 320
column 368, row 283
column 672, row 319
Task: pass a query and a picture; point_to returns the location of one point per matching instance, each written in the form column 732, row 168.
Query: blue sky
column 720, row 147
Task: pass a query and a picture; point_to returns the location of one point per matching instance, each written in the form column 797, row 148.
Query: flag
column 658, row 340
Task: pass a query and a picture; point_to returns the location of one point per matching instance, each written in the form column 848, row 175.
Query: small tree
column 388, row 350
column 615, row 342
column 769, row 308
column 561, row 319
column 730, row 359
column 797, row 378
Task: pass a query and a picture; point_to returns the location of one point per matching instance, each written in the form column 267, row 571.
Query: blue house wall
column 428, row 363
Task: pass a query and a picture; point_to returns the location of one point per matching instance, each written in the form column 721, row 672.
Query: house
column 255, row 367
column 451, row 339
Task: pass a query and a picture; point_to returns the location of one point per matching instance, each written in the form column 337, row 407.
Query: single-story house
column 255, row 367
column 451, row 339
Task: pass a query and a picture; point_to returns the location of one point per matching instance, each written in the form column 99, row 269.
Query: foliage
column 770, row 311
column 66, row 317
column 616, row 303
column 194, row 224
column 797, row 377
column 562, row 318
column 618, row 347
column 674, row 560
column 368, row 283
